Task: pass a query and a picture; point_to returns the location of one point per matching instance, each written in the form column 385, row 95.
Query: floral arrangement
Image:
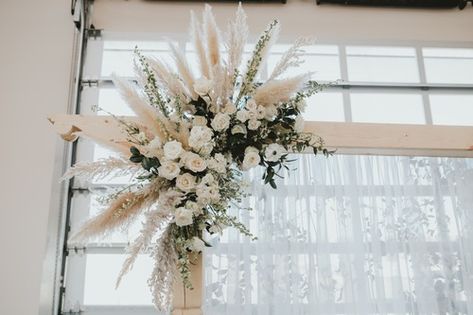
column 192, row 138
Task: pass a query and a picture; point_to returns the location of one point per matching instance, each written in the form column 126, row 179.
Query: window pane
column 118, row 55
column 382, row 64
column 387, row 108
column 451, row 109
column 101, row 274
column 111, row 101
column 325, row 107
column 120, row 62
column 448, row 65
column 84, row 207
column 323, row 60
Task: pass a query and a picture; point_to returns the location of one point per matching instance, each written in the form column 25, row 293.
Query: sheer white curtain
column 351, row 235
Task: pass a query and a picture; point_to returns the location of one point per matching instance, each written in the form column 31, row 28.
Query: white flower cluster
column 193, row 138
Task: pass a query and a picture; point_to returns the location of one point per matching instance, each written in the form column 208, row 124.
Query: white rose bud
column 203, row 86
column 206, row 149
column 141, row 137
column 172, row 150
column 251, row 105
column 216, row 228
column 218, row 163
column 299, row 124
column 194, row 207
column 301, row 106
column 220, row 122
column 250, row 160
column 169, row 198
column 185, row 182
column 271, row 112
column 169, row 170
column 197, row 245
column 274, row 152
column 260, row 112
column 254, row 124
column 183, row 216
column 252, row 115
column 208, row 179
column 239, row 129
column 230, row 108
column 242, row 115
column 154, row 147
column 195, row 163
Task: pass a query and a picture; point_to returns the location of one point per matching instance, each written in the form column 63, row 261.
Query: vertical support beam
column 189, row 302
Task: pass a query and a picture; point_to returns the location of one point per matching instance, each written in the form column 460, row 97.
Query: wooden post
column 189, row 302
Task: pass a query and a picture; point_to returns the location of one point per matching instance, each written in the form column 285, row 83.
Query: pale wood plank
column 189, row 302
column 404, row 139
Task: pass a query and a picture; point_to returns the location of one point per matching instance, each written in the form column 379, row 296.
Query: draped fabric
column 350, row 235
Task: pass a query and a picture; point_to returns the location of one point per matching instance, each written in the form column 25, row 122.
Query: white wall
column 36, row 48
column 298, row 18
column 36, row 43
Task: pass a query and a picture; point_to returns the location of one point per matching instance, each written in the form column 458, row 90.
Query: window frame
column 89, row 96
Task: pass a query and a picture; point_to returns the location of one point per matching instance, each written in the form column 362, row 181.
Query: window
column 405, row 84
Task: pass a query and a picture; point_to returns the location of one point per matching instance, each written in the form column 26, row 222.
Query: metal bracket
column 89, row 83
column 93, row 32
column 76, row 309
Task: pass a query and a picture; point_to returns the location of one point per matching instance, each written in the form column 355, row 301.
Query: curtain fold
column 350, row 235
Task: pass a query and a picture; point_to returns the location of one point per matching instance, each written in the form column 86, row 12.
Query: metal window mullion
column 75, row 263
column 423, row 80
column 344, row 76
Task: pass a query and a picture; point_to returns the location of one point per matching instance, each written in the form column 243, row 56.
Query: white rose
column 274, row 152
column 185, row 182
column 197, row 245
column 195, row 163
column 199, row 136
column 183, row 216
column 254, row 124
column 169, row 170
column 172, row 150
column 239, row 129
column 220, row 122
column 242, row 115
column 199, row 121
column 299, row 124
column 251, row 105
column 169, row 199
column 271, row 112
column 203, row 86
column 250, row 160
column 230, row 108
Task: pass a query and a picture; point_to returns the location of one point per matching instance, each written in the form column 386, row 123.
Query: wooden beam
column 361, row 138
column 189, row 302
